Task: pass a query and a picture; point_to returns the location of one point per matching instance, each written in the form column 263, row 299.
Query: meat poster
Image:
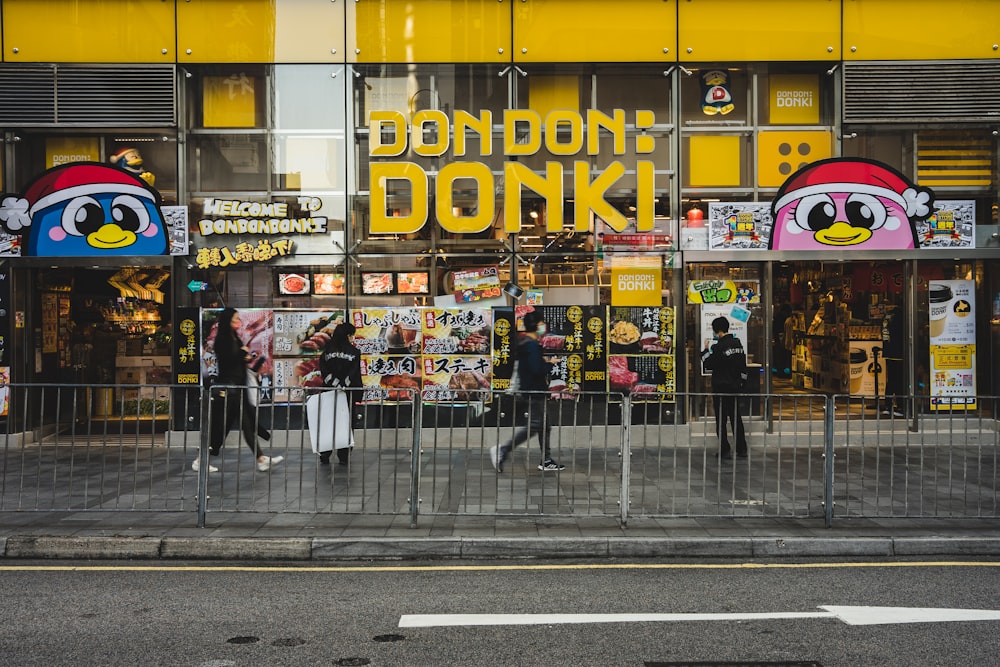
column 457, row 365
column 299, row 338
column 390, row 378
column 576, row 338
column 389, row 340
column 257, row 334
column 641, row 352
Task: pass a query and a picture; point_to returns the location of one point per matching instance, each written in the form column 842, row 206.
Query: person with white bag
column 329, row 412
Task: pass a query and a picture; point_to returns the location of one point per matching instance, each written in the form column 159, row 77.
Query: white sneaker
column 196, row 466
column 495, row 456
column 269, row 461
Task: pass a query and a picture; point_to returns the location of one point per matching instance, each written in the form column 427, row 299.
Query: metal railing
column 122, row 448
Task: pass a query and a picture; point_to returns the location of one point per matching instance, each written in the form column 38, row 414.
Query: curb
column 478, row 548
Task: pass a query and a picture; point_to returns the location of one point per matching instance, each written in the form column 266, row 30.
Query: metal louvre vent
column 27, row 95
column 902, row 92
column 91, row 96
column 116, row 96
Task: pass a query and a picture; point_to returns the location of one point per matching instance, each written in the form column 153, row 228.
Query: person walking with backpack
column 728, row 363
column 532, row 370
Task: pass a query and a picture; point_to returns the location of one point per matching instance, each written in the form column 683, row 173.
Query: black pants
column 727, row 409
column 228, row 407
column 538, row 424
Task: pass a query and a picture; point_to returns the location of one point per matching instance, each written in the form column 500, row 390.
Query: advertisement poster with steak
column 641, row 352
column 390, row 343
column 299, row 338
column 576, row 339
column 457, row 365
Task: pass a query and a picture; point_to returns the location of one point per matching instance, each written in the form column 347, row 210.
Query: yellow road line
column 482, row 568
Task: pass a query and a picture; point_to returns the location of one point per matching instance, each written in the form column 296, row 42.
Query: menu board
column 641, row 352
column 390, row 343
column 576, row 339
column 457, row 364
column 328, row 283
column 293, row 283
column 257, row 334
column 413, row 282
column 299, row 339
column 952, row 315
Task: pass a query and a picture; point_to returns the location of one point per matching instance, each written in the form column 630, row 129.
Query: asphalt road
column 217, row 614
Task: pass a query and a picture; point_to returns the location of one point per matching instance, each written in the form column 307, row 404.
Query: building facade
column 315, row 155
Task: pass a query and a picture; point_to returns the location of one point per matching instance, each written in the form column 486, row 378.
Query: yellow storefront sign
column 62, row 150
column 636, row 286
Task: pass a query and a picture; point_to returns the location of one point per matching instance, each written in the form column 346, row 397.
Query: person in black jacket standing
column 728, row 363
column 533, row 376
column 340, row 366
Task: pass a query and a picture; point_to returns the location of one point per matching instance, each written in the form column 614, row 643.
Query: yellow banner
column 62, row 150
column 636, row 286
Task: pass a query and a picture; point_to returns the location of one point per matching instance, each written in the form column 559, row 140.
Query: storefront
column 359, row 167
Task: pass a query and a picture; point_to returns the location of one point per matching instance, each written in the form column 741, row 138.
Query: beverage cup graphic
column 859, row 359
column 940, row 298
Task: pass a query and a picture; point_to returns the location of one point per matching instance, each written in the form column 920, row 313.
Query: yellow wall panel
column 401, row 31
column 714, row 161
column 595, row 31
column 225, row 31
column 780, row 154
column 736, row 30
column 921, row 29
column 309, row 31
column 93, row 31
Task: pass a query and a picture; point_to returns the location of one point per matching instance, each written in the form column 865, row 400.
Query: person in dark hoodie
column 728, row 363
column 533, row 377
column 340, row 366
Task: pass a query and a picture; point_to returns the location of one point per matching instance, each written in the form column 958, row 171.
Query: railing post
column 626, row 448
column 828, row 456
column 203, row 437
column 415, row 460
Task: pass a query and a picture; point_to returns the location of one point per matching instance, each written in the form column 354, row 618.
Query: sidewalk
column 336, row 537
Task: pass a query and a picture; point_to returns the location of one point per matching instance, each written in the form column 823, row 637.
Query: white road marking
column 848, row 615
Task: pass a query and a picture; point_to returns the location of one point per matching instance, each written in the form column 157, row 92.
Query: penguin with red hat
column 86, row 209
column 848, row 204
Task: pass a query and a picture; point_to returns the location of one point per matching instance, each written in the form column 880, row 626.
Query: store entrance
column 107, row 330
column 839, row 328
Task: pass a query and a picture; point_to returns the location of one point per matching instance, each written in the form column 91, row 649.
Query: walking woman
column 340, row 366
column 231, row 404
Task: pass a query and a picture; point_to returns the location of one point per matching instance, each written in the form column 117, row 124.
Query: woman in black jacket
column 231, row 403
column 340, row 366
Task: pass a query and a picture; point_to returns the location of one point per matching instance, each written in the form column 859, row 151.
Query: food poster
column 737, row 316
column 504, row 340
column 952, row 314
column 457, row 365
column 390, row 343
column 476, row 284
column 641, row 359
column 576, row 338
column 257, row 333
column 456, row 378
column 299, row 338
column 390, row 378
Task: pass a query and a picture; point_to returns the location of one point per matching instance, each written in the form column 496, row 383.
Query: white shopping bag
column 329, row 415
